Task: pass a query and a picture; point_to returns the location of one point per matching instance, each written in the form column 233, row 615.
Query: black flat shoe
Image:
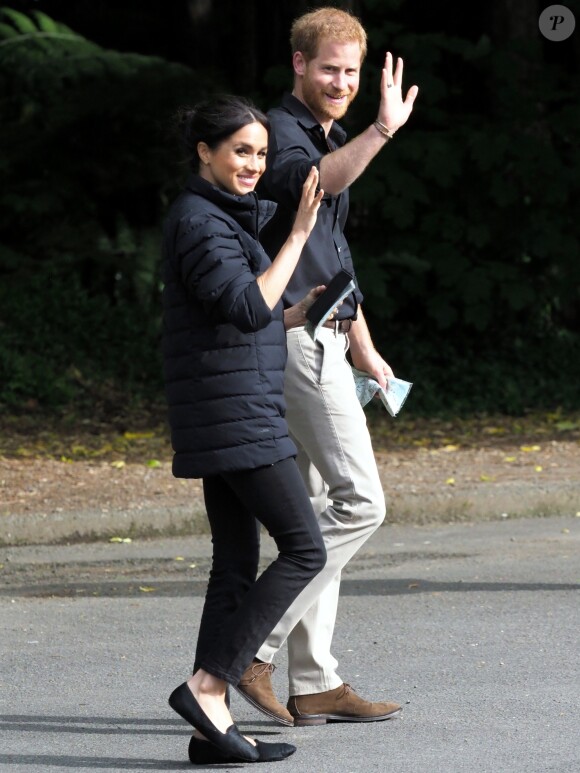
column 205, row 753
column 230, row 743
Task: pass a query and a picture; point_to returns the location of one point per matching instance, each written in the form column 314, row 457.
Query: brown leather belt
column 338, row 325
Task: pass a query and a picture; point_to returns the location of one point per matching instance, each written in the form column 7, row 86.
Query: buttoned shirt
column 296, row 143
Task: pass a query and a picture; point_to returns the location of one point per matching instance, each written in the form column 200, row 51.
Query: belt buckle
column 339, row 325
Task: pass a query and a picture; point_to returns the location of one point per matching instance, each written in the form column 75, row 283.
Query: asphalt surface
column 474, row 628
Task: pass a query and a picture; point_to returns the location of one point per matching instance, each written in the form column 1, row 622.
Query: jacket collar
column 308, row 122
column 247, row 210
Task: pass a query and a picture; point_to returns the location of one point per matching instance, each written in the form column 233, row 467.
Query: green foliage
column 89, row 149
column 457, row 374
column 464, row 229
column 59, row 343
column 86, row 168
column 473, row 219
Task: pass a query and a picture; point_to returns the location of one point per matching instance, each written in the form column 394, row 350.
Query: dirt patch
column 55, row 470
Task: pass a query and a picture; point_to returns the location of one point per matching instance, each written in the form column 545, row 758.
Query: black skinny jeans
column 240, row 610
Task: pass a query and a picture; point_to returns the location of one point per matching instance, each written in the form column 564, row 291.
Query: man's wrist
column 383, row 130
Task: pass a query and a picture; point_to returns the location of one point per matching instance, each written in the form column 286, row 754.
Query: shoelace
column 259, row 669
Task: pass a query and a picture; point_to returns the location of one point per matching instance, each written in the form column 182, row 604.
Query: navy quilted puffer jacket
column 224, row 351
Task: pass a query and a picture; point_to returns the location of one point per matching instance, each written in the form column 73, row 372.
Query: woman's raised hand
column 275, row 278
column 309, row 203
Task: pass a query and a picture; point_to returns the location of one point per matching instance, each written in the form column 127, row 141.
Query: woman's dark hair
column 214, row 120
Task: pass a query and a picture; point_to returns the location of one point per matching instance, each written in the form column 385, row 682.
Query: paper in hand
column 392, row 398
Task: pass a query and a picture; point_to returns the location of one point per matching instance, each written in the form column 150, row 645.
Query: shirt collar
column 308, row 122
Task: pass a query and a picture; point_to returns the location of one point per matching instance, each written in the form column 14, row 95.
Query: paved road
column 475, row 628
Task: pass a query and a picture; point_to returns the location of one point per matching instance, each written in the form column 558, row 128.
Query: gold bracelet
column 384, row 130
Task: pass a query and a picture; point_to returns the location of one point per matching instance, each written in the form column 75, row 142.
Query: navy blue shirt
column 297, row 142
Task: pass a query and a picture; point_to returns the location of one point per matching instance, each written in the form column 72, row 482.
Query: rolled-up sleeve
column 216, row 273
column 287, row 167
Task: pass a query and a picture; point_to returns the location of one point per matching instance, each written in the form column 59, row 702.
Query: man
column 325, row 418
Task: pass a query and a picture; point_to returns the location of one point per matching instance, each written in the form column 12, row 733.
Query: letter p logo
column 556, row 22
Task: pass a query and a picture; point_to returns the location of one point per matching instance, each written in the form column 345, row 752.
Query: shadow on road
column 184, row 588
column 109, row 726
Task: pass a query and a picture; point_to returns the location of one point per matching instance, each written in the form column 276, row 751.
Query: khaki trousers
column 336, row 460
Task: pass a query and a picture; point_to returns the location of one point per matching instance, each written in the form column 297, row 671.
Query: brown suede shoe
column 339, row 705
column 256, row 687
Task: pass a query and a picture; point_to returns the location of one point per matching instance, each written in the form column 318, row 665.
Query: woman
column 224, row 354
